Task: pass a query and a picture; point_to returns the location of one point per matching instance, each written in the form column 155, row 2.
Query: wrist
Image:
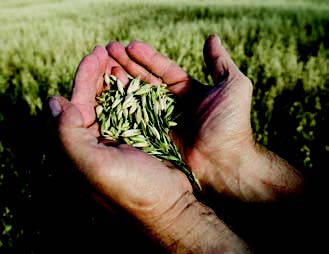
column 265, row 176
column 190, row 227
column 276, row 178
column 250, row 173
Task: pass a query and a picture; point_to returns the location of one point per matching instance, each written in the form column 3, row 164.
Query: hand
column 159, row 197
column 216, row 140
column 135, row 181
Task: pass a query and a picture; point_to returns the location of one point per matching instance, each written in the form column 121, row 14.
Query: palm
column 142, row 183
column 222, row 133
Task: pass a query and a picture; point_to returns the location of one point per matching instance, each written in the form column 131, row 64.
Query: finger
column 112, row 64
column 88, row 83
column 88, row 77
column 118, row 52
column 120, row 74
column 67, row 113
column 159, row 65
column 82, row 146
column 218, row 60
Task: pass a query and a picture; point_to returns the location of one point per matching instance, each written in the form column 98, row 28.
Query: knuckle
column 248, row 82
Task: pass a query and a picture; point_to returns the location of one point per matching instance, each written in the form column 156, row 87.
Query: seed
column 116, row 102
column 107, row 79
column 129, row 100
column 120, row 86
column 138, row 115
column 143, row 89
column 138, row 138
column 140, row 145
column 145, row 116
column 133, row 86
column 130, row 133
column 155, row 132
column 99, row 110
column 156, row 106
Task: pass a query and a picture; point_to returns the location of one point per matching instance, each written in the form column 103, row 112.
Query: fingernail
column 217, row 38
column 55, row 107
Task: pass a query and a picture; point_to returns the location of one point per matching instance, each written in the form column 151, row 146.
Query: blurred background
column 282, row 46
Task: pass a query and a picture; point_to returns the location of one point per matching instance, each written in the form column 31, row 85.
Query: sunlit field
column 282, row 46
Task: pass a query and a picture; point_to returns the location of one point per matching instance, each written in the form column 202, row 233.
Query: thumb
column 78, row 142
column 67, row 114
column 218, row 60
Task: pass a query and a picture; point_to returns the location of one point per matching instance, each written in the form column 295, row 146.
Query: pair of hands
column 216, row 140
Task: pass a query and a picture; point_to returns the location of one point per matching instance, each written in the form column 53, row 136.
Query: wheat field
column 282, row 46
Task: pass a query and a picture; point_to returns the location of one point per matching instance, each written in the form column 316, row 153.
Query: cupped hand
column 132, row 180
column 216, row 137
column 218, row 130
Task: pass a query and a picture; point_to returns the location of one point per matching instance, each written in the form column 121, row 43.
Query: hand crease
column 172, row 207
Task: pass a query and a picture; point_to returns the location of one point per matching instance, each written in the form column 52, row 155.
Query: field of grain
column 282, row 46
